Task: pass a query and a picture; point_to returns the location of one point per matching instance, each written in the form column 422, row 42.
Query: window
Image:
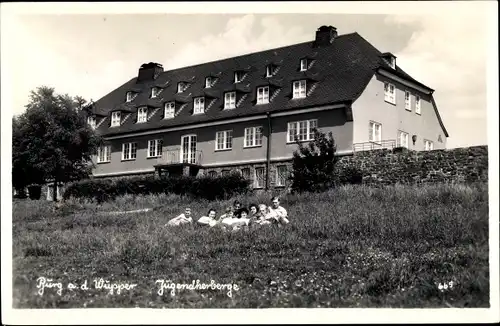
column 259, row 180
column 181, row 87
column 238, row 76
column 226, row 172
column 129, row 96
column 115, row 118
column 402, row 139
column 142, row 115
column 269, row 71
column 281, row 175
column 208, row 82
column 169, row 110
column 392, row 62
column 429, row 146
column 154, row 92
column 245, row 173
column 253, row 137
column 230, row 100
column 375, row 132
column 299, row 89
column 302, row 129
column 223, row 140
column 155, row 148
column 199, row 105
column 417, row 105
column 407, row 101
column 92, row 122
column 212, row 174
column 263, row 95
column 303, row 64
column 389, row 93
column 104, row 154
column 129, row 151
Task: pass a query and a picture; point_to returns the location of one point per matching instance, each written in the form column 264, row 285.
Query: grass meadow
column 353, row 246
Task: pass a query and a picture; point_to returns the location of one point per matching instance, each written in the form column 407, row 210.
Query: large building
column 242, row 113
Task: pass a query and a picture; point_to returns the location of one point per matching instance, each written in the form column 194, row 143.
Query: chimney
column 325, row 36
column 149, row 71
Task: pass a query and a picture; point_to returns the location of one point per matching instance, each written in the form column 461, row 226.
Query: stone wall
column 463, row 165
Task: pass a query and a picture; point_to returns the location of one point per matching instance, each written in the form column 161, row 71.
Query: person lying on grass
column 237, row 208
column 184, row 218
column 209, row 219
column 229, row 220
column 277, row 212
column 262, row 216
column 253, row 209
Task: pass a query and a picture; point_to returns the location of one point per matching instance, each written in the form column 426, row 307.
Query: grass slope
column 350, row 247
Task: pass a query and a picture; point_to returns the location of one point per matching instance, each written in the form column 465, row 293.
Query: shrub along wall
column 462, row 165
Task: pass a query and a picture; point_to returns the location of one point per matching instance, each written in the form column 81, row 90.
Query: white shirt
column 280, row 214
column 179, row 220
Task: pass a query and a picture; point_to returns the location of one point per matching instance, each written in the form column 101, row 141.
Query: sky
column 92, row 54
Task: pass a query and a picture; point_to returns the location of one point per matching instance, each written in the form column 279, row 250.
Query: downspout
column 268, row 154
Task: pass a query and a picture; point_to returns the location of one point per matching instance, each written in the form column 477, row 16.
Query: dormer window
column 303, row 64
column 392, row 62
column 154, row 92
column 129, row 96
column 208, row 82
column 115, row 119
column 269, row 71
column 238, row 76
column 299, row 89
column 92, row 122
column 263, row 95
column 230, row 100
column 142, row 115
column 169, row 110
column 198, row 105
column 181, row 87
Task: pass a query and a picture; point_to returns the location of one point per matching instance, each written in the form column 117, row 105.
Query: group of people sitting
column 237, row 217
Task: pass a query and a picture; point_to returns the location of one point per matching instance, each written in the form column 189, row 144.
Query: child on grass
column 209, row 219
column 184, row 218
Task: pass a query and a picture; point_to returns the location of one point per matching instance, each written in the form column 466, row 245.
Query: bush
column 349, row 175
column 314, row 165
column 35, row 192
column 202, row 187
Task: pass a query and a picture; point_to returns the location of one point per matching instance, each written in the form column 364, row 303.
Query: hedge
column 197, row 187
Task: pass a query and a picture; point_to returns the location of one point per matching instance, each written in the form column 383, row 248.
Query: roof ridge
column 248, row 54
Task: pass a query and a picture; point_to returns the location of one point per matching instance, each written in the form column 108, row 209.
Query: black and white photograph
column 215, row 162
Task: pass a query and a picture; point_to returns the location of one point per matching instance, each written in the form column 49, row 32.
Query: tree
column 52, row 140
column 314, row 164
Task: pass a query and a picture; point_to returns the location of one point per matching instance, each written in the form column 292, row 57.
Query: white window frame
column 129, row 151
column 372, row 132
column 392, row 62
column 256, row 178
column 303, row 64
column 181, row 87
column 245, row 175
column 278, row 183
column 389, row 96
column 264, row 98
column 226, row 137
column 408, row 101
column 106, row 154
column 403, row 139
column 199, row 105
column 154, row 92
column 269, row 71
column 91, row 120
column 428, row 145
column 253, row 137
column 238, row 76
column 169, row 110
column 142, row 115
column 418, row 104
column 300, row 88
column 295, row 125
column 229, row 100
column 129, row 97
column 155, row 148
column 115, row 118
column 212, row 174
column 208, row 82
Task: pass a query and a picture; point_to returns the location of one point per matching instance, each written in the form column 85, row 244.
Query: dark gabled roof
column 340, row 71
